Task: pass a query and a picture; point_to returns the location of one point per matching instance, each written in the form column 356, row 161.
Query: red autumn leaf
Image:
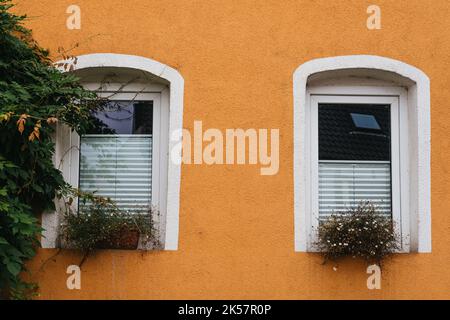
column 21, row 123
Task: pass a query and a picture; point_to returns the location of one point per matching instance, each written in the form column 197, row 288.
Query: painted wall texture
column 237, row 58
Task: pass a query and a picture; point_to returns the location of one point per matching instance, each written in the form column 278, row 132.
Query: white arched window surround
column 174, row 101
column 416, row 87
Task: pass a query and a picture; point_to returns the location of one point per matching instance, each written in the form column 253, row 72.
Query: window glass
column 354, row 157
column 116, row 155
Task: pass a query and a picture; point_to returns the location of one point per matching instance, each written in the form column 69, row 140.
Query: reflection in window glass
column 365, row 121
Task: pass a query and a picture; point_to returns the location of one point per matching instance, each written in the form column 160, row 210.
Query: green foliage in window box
column 100, row 224
column 34, row 97
column 361, row 232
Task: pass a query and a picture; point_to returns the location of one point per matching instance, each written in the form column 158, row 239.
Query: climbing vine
column 35, row 97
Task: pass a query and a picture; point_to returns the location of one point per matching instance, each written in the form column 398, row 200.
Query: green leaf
column 38, row 188
column 14, row 268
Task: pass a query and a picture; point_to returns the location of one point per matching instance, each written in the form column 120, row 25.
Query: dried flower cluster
column 358, row 232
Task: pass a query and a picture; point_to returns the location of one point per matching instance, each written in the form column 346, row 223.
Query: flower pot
column 125, row 240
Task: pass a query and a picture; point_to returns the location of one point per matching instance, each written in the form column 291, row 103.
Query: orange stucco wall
column 237, row 58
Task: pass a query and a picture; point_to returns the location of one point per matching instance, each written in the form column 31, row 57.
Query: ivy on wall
column 34, row 97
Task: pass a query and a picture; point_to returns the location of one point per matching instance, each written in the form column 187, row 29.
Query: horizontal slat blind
column 118, row 167
column 344, row 185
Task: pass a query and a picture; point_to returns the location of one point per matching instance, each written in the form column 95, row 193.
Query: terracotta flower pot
column 125, row 240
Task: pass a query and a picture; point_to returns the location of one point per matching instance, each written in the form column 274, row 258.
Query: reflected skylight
column 365, row 121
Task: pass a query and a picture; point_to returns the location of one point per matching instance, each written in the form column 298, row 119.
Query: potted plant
column 360, row 232
column 100, row 224
column 127, row 231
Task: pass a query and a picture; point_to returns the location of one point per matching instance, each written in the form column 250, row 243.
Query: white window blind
column 345, row 184
column 118, row 167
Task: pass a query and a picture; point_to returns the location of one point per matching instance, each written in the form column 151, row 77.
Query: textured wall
column 237, row 58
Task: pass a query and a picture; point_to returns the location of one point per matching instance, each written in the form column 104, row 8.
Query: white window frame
column 395, row 97
column 389, row 73
column 171, row 94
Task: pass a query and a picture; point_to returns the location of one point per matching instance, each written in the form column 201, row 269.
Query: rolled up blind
column 344, row 185
column 118, row 167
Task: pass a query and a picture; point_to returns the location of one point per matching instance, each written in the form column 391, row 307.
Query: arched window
column 127, row 157
column 362, row 132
